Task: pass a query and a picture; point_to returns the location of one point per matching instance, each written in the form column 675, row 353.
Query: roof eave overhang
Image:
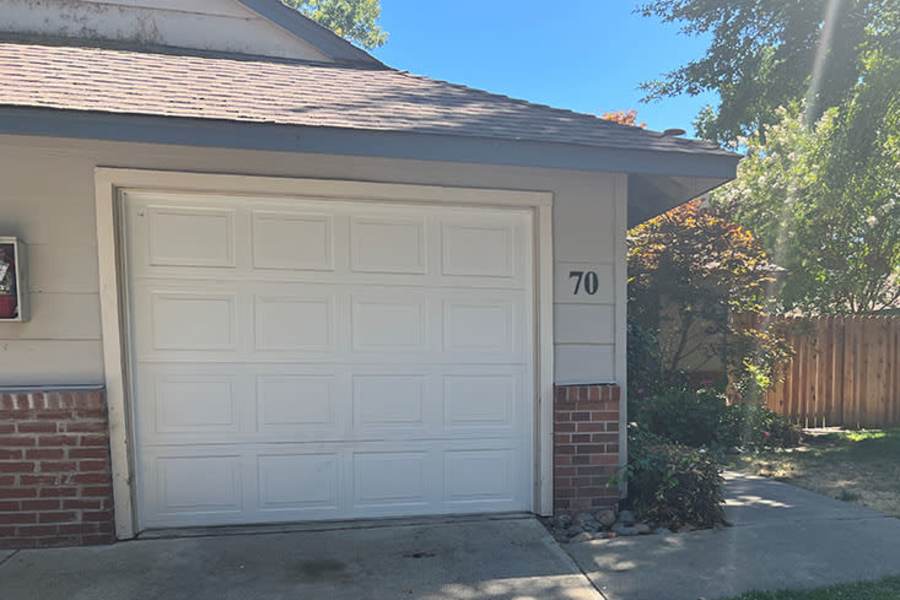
column 660, row 179
column 652, row 195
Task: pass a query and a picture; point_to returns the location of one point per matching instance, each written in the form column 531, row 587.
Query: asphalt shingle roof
column 261, row 90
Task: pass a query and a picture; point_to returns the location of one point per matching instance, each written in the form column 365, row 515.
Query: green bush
column 702, row 418
column 673, row 485
column 681, row 415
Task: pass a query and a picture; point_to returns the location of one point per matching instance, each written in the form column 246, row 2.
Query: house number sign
column 584, row 282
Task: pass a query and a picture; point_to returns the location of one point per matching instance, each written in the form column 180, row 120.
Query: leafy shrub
column 672, row 485
column 703, row 418
column 682, row 416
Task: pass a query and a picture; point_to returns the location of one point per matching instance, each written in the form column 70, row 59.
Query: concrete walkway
column 783, row 537
column 471, row 559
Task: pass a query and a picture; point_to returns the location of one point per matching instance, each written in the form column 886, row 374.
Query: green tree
column 769, row 53
column 825, row 199
column 810, row 89
column 355, row 20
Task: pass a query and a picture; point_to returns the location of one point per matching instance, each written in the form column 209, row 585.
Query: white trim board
column 108, row 182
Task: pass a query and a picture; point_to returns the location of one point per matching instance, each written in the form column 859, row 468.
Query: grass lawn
column 886, row 589
column 854, row 466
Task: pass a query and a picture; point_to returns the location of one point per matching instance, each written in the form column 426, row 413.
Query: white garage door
column 299, row 359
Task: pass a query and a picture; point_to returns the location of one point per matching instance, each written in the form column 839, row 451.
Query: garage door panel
column 195, row 403
column 291, row 404
column 476, row 248
column 292, row 241
column 294, row 323
column 190, row 236
column 184, row 405
column 305, row 482
column 481, row 404
column 482, row 326
column 390, row 322
column 176, row 486
column 388, row 244
column 477, row 476
column 392, row 481
column 328, row 359
column 388, row 404
column 193, row 321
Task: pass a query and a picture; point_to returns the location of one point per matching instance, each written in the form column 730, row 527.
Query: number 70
column 585, row 280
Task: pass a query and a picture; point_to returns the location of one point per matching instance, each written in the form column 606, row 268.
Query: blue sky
column 586, row 55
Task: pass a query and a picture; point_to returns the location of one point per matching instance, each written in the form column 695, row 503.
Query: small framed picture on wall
column 12, row 292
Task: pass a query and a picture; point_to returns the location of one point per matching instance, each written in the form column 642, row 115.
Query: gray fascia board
column 357, row 142
column 309, row 31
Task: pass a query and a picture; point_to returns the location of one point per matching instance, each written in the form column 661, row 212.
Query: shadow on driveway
column 783, row 537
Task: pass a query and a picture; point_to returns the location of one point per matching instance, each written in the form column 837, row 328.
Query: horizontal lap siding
column 47, row 201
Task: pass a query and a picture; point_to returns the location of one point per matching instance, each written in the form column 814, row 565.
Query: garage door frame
column 109, row 182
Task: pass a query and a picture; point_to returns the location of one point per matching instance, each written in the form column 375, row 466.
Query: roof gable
column 255, row 27
column 308, row 30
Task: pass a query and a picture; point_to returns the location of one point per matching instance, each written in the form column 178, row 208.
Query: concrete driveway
column 783, row 537
column 462, row 559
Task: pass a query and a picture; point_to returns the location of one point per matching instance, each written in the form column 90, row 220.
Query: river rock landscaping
column 603, row 524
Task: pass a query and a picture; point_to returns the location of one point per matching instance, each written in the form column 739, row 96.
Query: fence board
column 845, row 371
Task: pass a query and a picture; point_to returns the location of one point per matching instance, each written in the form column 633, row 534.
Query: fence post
column 836, row 416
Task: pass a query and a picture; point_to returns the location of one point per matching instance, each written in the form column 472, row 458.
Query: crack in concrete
column 7, row 559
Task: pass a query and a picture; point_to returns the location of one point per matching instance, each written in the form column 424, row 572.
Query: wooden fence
column 845, row 372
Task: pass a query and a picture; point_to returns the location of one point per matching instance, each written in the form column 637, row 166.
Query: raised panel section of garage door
column 298, row 359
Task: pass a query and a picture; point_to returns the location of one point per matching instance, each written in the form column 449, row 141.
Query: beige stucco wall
column 221, row 25
column 47, row 199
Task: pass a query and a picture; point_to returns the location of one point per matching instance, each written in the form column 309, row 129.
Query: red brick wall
column 55, row 476
column 586, row 447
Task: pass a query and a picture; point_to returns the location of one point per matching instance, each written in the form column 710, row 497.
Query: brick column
column 55, row 475
column 586, row 447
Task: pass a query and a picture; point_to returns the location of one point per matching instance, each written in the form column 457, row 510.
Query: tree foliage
column 810, row 89
column 355, row 20
column 699, row 284
column 623, row 117
column 825, row 199
column 763, row 55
